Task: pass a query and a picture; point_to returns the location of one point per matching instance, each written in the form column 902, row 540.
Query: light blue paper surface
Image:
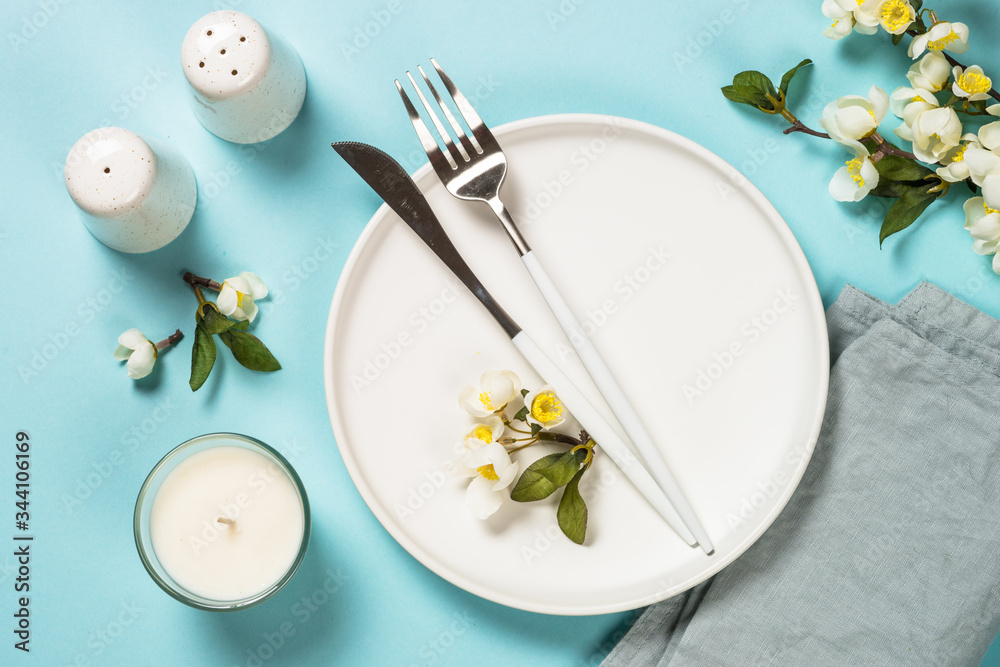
column 290, row 210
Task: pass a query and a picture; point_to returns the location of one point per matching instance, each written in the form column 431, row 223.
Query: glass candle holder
column 222, row 522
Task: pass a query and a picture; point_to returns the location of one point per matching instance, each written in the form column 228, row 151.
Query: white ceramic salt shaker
column 136, row 194
column 248, row 85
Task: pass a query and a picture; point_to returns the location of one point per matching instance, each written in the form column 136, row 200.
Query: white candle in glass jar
column 226, row 523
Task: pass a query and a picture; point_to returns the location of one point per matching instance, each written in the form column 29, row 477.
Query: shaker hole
column 107, row 170
column 243, row 39
column 222, row 52
column 201, row 64
column 234, row 72
column 209, row 33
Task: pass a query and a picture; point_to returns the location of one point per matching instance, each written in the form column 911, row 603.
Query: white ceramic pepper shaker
column 248, row 85
column 136, row 194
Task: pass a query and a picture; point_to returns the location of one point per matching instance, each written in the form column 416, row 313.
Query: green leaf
column 544, row 476
column 536, row 429
column 572, row 512
column 733, row 96
column 522, row 414
column 917, row 5
column 214, row 321
column 787, row 78
column 897, row 168
column 242, row 326
column 751, row 87
column 202, row 356
column 524, row 392
column 893, row 189
column 906, row 210
column 896, row 39
column 249, row 351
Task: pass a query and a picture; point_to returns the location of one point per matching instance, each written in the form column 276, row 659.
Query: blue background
column 290, row 211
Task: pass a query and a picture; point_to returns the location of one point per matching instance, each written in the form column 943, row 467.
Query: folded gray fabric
column 888, row 553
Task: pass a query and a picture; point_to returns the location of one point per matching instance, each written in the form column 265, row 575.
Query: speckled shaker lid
column 225, row 54
column 109, row 172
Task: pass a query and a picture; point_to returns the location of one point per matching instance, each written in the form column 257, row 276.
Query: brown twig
column 194, row 281
column 170, row 340
column 798, row 126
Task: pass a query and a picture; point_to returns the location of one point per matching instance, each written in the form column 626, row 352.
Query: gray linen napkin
column 888, row 553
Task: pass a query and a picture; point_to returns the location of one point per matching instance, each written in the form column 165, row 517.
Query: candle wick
column 226, row 520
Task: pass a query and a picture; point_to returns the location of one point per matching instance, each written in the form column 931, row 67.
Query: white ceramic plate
column 701, row 302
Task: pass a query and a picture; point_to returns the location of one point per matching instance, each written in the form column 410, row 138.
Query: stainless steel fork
column 474, row 169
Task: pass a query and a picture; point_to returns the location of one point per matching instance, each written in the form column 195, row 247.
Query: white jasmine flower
column 236, row 299
column 895, row 15
column 908, row 104
column 866, row 15
column 931, row 72
column 984, row 169
column 971, row 83
column 853, row 117
column 492, row 471
column 544, row 407
column 954, row 168
column 496, row 390
column 484, row 433
column 139, row 351
column 843, row 19
column 942, row 36
column 983, row 224
column 857, row 177
column 935, row 132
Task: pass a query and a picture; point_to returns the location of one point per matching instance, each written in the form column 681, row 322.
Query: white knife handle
column 616, row 398
column 602, row 433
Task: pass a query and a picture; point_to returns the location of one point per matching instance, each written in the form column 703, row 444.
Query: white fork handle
column 602, row 433
column 617, row 401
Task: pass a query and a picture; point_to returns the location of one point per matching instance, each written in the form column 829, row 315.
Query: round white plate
column 698, row 297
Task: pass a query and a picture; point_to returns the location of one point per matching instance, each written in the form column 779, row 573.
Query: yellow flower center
column 960, row 153
column 546, row 407
column 895, row 14
column 486, row 400
column 940, row 44
column 483, row 433
column 854, row 171
column 989, row 211
column 974, row 82
column 488, row 472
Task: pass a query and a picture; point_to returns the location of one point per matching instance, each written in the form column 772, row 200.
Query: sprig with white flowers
column 944, row 112
column 228, row 318
column 485, row 451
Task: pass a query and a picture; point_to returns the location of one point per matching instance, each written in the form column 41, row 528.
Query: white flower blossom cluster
column 934, row 129
column 483, row 457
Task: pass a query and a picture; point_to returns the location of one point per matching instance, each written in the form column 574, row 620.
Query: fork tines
column 468, row 145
